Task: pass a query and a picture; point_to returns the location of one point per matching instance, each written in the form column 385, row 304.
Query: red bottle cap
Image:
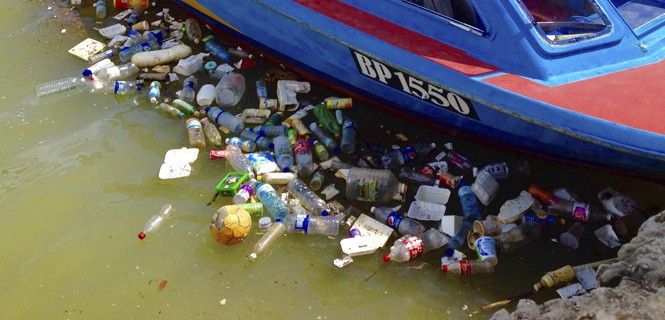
column 386, row 258
column 141, row 235
column 444, row 267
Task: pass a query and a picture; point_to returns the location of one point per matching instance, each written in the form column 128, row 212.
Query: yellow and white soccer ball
column 230, row 225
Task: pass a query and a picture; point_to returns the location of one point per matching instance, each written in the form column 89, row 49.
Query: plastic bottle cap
column 265, row 222
column 86, row 73
column 286, row 169
column 325, row 213
column 252, row 256
column 271, row 145
column 141, row 235
column 386, row 258
column 354, row 233
column 372, row 209
column 444, row 267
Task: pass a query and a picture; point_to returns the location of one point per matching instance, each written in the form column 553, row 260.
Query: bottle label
column 302, row 220
column 394, row 219
column 465, row 267
column 301, row 147
column 408, row 154
column 366, row 190
column 580, row 212
column 414, row 245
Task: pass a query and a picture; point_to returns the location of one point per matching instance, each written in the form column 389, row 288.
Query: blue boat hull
column 336, row 62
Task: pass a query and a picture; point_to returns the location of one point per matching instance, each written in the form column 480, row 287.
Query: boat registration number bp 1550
column 412, row 85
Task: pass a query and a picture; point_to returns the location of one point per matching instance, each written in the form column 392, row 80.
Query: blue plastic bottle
column 261, row 141
column 348, row 144
column 271, row 201
column 271, row 131
column 216, row 49
column 470, row 209
column 324, row 137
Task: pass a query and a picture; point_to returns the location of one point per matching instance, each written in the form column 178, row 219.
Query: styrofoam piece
column 426, row 211
column 370, row 227
column 513, row 209
column 87, row 48
column 433, row 194
column 113, row 30
column 450, row 225
column 358, row 246
column 343, row 261
column 177, row 163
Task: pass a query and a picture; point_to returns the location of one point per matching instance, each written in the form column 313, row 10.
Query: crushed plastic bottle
column 216, row 49
column 211, row 132
column 195, row 133
column 192, row 30
column 372, row 185
column 156, row 221
column 230, row 89
column 283, row 153
column 274, row 232
column 304, row 161
column 324, row 225
column 397, row 158
column 238, row 160
column 401, row 224
column 409, row 247
column 271, row 201
column 261, row 141
column 60, row 85
column 307, row 198
column 324, row 137
column 188, row 92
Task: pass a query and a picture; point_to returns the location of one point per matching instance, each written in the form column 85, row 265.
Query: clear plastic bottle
column 324, row 137
column 271, row 201
column 193, row 30
column 195, row 133
column 242, row 144
column 126, row 53
column 260, row 140
column 372, row 185
column 102, row 55
column 100, row 9
column 60, row 85
column 578, row 211
column 274, row 232
column 173, row 111
column 469, row 203
column 415, row 177
column 283, row 153
column 402, row 224
column 211, row 132
column 271, row 130
column 316, row 183
column 518, row 237
column 188, row 92
column 348, row 144
column 216, row 49
column 468, row 267
column 230, row 89
column 155, row 92
column 124, row 87
column 225, row 119
column 238, row 160
column 307, row 198
column 156, row 221
column 324, row 225
column 185, row 107
column 320, row 150
column 190, row 65
column 411, row 247
column 245, row 192
column 397, row 158
column 277, row 178
column 304, row 161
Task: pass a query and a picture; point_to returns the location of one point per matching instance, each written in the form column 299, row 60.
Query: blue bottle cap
column 271, row 145
column 86, row 73
column 286, row 169
column 325, row 213
column 450, row 252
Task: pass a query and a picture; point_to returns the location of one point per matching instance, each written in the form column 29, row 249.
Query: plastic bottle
column 123, row 87
column 230, row 89
column 238, row 160
column 185, row 107
column 216, row 49
column 459, row 239
column 283, row 152
column 156, row 221
column 195, row 133
column 578, row 211
column 242, row 144
column 245, row 192
column 459, row 160
column 274, row 232
column 160, row 57
column 188, row 92
column 449, row 180
column 472, row 212
column 393, row 219
column 261, row 90
column 348, row 144
column 324, row 225
column 225, row 119
column 277, row 178
column 397, row 158
column 190, row 65
column 193, row 30
column 60, row 85
column 271, row 201
column 317, row 181
column 173, row 111
column 271, row 130
column 122, row 71
column 308, row 199
column 126, row 53
column 298, row 125
column 372, row 185
column 304, row 161
column 411, row 247
column 100, row 9
column 293, row 136
column 155, row 92
column 211, row 132
column 134, row 16
column 324, row 137
column 518, row 237
column 326, row 119
column 468, row 267
column 102, row 55
column 259, row 139
column 320, row 151
column 340, row 117
column 274, row 120
column 411, row 176
column 338, row 103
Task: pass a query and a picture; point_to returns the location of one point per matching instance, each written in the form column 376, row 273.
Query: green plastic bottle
column 327, row 120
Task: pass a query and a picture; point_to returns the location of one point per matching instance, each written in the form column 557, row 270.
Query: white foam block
column 450, row 225
column 370, row 227
column 87, row 48
column 359, row 246
column 513, row 209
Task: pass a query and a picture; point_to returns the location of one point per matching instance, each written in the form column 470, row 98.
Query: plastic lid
column 265, row 222
column 141, row 235
column 386, row 257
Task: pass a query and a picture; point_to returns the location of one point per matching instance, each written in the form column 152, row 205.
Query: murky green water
column 78, row 179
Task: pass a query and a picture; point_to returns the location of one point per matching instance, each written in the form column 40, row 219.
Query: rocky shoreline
column 632, row 288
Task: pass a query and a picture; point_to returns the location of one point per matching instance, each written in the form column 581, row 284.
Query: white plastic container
column 426, row 211
column 433, row 194
column 485, row 187
column 513, row 209
column 206, row 95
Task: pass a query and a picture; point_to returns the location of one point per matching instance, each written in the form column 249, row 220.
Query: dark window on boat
column 638, row 13
column 564, row 21
column 459, row 10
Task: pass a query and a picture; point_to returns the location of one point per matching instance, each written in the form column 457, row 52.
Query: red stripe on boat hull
column 399, row 36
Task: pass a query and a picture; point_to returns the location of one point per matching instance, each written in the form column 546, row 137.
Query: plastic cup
column 488, row 227
column 486, row 250
column 571, row 238
column 471, row 238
